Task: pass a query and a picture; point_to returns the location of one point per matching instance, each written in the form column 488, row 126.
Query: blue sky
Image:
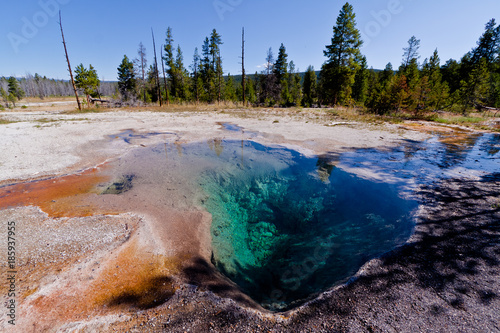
column 101, row 32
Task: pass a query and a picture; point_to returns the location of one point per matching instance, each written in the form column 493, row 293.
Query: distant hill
column 237, row 78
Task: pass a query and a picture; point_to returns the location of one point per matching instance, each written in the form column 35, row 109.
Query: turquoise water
column 286, row 226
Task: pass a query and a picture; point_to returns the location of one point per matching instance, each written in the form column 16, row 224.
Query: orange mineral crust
column 63, row 196
column 127, row 280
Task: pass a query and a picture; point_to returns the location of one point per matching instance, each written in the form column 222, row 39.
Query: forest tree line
column 14, row 89
column 473, row 82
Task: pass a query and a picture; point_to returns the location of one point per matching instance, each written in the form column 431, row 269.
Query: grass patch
column 46, row 120
column 75, row 119
column 54, row 121
column 460, row 120
column 4, row 121
column 85, row 110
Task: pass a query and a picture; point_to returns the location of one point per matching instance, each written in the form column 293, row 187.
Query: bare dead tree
column 69, row 65
column 243, row 64
column 157, row 70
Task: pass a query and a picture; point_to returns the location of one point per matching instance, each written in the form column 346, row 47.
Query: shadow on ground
column 152, row 293
column 203, row 274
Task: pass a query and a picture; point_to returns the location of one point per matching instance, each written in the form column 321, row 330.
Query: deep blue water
column 286, row 226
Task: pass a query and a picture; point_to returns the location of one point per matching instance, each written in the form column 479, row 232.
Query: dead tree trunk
column 157, row 70
column 69, row 65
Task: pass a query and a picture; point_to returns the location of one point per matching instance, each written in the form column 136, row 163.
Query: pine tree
column 268, row 82
column 180, row 75
column 409, row 69
column 294, row 87
column 126, row 78
column 488, row 45
column 474, row 91
column 215, row 42
column 280, row 71
column 169, row 60
column 211, row 71
column 346, row 39
column 5, row 96
column 205, row 69
column 195, row 66
column 280, row 68
column 494, row 99
column 450, row 72
column 141, row 65
column 250, row 93
column 479, row 84
column 438, row 90
column 488, row 48
column 230, row 90
column 360, row 88
column 337, row 74
column 151, row 86
column 380, row 98
column 387, row 74
column 398, row 93
column 410, row 53
column 309, row 87
column 220, row 79
column 14, row 90
column 88, row 81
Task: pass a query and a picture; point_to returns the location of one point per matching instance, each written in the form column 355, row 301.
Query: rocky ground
column 89, row 267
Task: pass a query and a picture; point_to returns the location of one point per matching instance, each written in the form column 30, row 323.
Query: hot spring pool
column 286, row 226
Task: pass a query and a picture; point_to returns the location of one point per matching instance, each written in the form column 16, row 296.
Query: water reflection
column 178, row 146
column 129, row 135
column 491, row 145
column 325, row 165
column 230, row 127
column 216, row 146
column 414, row 163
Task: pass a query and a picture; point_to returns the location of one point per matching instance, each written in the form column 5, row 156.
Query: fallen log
column 488, row 108
column 93, row 100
